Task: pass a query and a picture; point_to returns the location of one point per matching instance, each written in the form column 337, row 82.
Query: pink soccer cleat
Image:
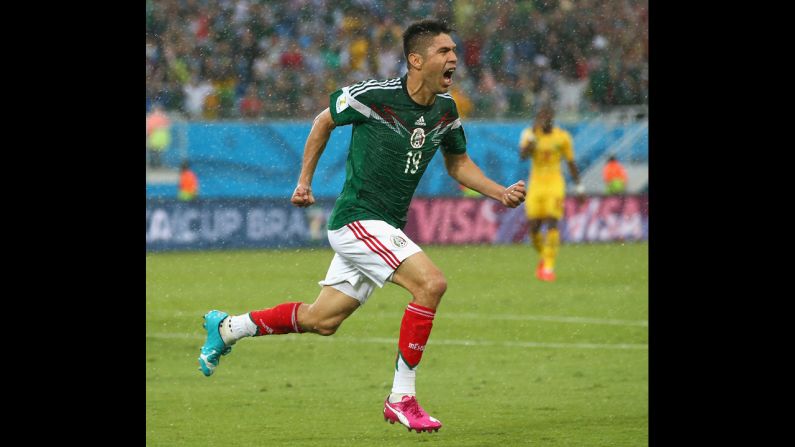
column 409, row 413
column 547, row 275
column 540, row 269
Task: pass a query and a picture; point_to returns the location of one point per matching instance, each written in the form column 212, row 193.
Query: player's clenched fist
column 302, row 196
column 514, row 194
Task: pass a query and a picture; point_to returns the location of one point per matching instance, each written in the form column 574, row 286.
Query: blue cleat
column 214, row 346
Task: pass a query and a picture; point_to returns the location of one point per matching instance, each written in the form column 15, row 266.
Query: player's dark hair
column 418, row 35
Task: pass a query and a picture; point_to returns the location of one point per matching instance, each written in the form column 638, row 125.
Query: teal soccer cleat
column 214, row 346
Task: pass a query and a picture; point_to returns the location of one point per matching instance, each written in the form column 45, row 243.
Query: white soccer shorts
column 367, row 254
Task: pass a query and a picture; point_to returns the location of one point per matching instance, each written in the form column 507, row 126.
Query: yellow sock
column 551, row 248
column 538, row 241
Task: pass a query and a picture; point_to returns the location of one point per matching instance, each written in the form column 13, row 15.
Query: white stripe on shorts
column 367, row 252
column 374, row 244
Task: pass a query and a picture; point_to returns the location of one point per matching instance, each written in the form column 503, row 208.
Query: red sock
column 281, row 319
column 414, row 332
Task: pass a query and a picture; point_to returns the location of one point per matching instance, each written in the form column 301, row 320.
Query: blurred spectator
column 188, row 188
column 158, row 135
column 587, row 55
column 359, row 49
column 251, row 105
column 291, row 58
column 196, row 93
column 615, row 176
column 462, row 101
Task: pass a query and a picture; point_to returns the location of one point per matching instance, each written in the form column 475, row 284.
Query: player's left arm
column 465, row 171
column 575, row 173
column 568, row 153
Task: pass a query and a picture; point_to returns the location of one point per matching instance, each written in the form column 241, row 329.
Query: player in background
column 614, row 176
column 546, row 144
column 398, row 126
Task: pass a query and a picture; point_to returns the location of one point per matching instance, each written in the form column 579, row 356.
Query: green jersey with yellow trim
column 392, row 142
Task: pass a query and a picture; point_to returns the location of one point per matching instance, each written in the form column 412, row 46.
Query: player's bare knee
column 431, row 291
column 326, row 328
column 326, row 332
column 319, row 325
column 437, row 286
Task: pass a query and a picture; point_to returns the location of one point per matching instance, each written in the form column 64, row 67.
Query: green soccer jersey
column 393, row 140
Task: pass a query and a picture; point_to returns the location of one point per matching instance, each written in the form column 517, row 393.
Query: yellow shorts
column 545, row 201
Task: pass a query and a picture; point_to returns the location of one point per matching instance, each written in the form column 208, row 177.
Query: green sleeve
column 344, row 109
column 455, row 142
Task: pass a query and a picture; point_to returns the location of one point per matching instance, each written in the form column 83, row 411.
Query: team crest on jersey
column 417, row 138
column 397, row 241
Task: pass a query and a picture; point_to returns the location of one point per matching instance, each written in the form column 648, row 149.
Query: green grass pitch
column 511, row 360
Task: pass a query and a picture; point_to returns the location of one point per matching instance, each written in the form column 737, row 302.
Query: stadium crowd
column 247, row 59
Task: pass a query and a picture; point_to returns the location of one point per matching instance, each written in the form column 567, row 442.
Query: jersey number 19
column 413, row 158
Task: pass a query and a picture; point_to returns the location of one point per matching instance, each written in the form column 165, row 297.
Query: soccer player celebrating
column 398, row 125
column 546, row 144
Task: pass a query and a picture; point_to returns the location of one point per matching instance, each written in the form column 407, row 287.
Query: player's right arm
column 527, row 143
column 313, row 149
column 343, row 109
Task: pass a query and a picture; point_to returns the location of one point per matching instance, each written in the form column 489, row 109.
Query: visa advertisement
column 217, row 224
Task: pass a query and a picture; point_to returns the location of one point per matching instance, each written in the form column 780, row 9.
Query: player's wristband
column 579, row 189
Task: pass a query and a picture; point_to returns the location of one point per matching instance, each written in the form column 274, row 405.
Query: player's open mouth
column 447, row 77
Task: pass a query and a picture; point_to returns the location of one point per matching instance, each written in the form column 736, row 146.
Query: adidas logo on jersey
column 420, row 122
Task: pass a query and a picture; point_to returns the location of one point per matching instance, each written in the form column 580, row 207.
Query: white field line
column 510, row 317
column 392, row 341
column 520, row 317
